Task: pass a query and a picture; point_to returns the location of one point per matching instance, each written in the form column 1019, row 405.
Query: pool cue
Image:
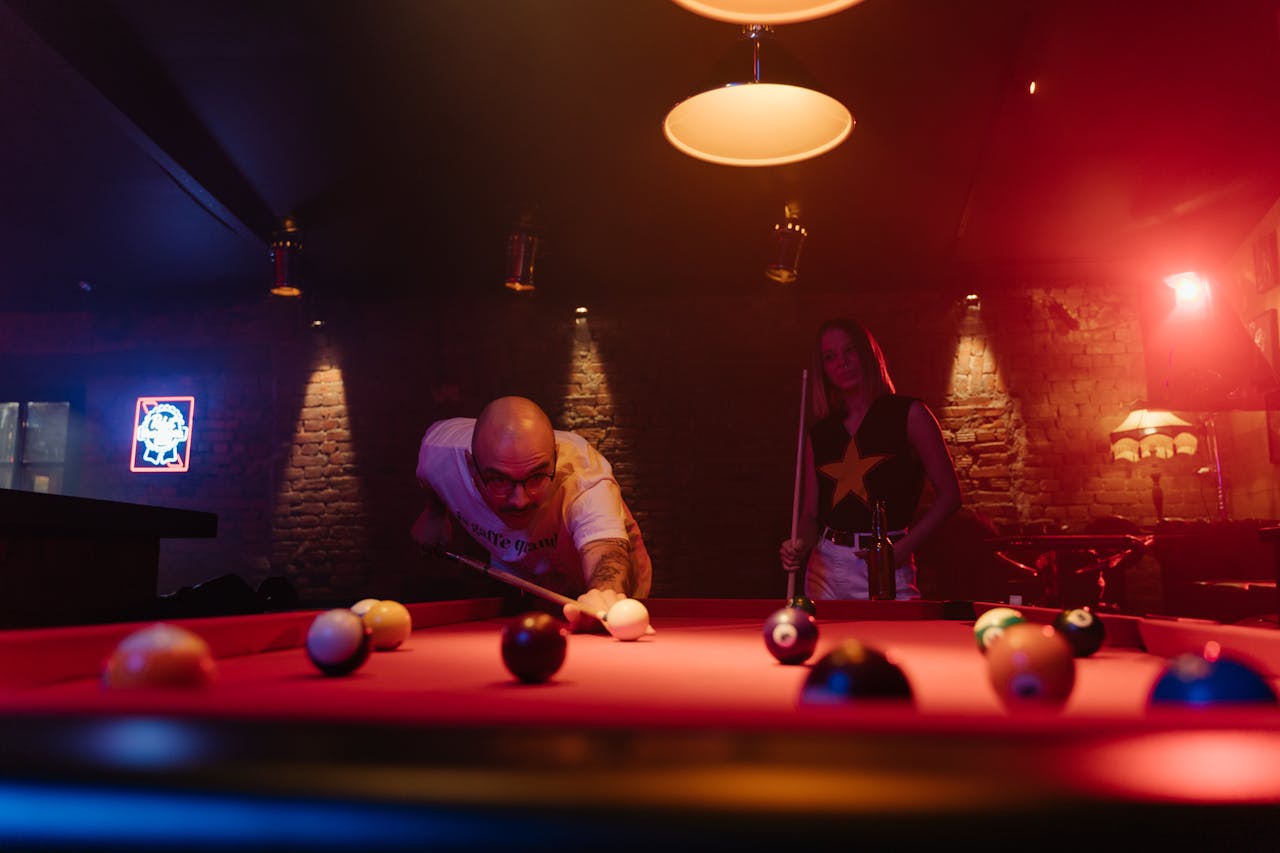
column 519, row 582
column 795, row 496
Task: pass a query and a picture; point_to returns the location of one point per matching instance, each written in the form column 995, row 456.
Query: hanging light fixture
column 286, row 256
column 760, row 110
column 788, row 240
column 765, row 11
column 522, row 252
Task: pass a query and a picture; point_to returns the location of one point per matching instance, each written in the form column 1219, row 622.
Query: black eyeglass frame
column 501, row 486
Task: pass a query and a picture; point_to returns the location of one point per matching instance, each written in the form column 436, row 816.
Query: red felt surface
column 706, row 666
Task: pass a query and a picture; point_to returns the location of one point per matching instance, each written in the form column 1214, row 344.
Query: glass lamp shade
column 765, row 11
column 758, row 124
column 1147, row 432
column 759, row 108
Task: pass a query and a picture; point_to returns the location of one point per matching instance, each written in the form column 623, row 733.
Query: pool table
column 691, row 736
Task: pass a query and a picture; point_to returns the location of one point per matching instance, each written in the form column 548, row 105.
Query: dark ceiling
column 150, row 146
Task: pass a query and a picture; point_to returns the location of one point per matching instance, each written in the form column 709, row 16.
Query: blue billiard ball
column 1192, row 680
column 791, row 635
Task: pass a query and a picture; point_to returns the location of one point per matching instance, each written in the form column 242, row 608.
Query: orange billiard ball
column 161, row 655
column 1031, row 665
column 389, row 624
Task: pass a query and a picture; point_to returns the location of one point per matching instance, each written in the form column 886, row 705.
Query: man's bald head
column 513, row 442
column 513, row 423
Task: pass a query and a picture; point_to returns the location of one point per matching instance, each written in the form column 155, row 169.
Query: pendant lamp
column 760, row 109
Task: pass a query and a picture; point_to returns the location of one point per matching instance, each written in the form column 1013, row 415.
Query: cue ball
column 162, row 655
column 361, row 607
column 534, row 646
column 805, row 603
column 853, row 672
column 627, row 619
column 1082, row 630
column 338, row 642
column 791, row 635
column 1031, row 666
column 390, row 624
column 992, row 624
column 1195, row 681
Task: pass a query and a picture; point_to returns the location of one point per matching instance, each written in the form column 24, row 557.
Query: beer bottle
column 881, row 571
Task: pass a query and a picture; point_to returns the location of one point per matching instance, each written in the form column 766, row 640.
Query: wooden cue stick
column 514, row 580
column 528, row 586
column 795, row 496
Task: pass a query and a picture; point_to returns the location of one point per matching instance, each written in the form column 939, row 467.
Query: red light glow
column 1190, row 292
column 1201, row 767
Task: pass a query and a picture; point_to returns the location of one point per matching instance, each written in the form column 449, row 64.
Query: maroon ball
column 534, row 646
column 791, row 635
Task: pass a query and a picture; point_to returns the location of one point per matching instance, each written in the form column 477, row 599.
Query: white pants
column 835, row 571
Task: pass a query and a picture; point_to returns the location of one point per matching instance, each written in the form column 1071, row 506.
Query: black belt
column 859, row 539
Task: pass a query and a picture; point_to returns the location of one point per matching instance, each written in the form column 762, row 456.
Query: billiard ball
column 390, row 624
column 534, row 646
column 627, row 619
column 992, row 624
column 361, row 607
column 1031, row 665
column 791, row 635
column 1083, row 631
column 1192, row 680
column 805, row 603
column 853, row 672
column 338, row 642
column 161, row 655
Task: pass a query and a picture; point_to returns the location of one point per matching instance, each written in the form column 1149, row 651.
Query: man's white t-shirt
column 585, row 505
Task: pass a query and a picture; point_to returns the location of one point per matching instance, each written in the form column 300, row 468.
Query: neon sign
column 162, row 434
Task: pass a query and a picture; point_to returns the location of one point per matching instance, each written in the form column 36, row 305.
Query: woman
column 865, row 442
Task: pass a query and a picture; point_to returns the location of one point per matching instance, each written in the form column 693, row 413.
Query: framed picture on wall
column 1273, row 426
column 1263, row 331
column 1266, row 260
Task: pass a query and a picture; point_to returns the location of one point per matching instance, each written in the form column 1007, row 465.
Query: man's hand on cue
column 581, row 614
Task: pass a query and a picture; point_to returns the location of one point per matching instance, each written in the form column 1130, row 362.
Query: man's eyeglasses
column 500, row 486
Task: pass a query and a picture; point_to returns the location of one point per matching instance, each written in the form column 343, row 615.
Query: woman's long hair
column 876, row 382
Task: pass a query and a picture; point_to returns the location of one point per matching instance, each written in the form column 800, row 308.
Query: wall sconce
column 286, row 258
column 765, row 11
column 759, row 109
column 972, row 302
column 788, row 240
column 522, row 252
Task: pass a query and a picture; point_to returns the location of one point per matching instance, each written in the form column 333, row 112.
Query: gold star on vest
column 851, row 473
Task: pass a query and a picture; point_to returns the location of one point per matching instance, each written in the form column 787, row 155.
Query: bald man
column 543, row 502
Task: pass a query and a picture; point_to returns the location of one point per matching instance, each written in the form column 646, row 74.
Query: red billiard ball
column 160, row 656
column 791, row 635
column 338, row 642
column 1031, row 665
column 852, row 673
column 1082, row 630
column 534, row 646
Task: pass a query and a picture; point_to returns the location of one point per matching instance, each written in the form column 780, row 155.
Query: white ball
column 362, row 606
column 627, row 619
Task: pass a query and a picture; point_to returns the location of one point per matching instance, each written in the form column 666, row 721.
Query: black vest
column 898, row 478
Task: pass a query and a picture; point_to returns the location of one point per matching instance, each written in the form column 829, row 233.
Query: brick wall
column 306, row 439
